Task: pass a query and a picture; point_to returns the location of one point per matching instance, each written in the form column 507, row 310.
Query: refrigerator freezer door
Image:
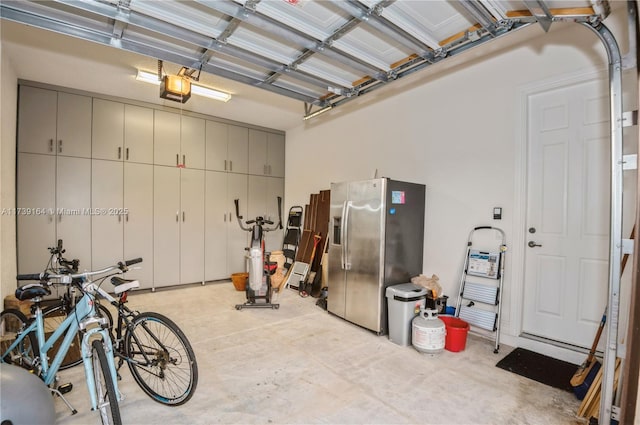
column 336, row 274
column 364, row 233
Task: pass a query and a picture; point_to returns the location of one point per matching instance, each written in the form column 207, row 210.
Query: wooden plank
column 564, row 11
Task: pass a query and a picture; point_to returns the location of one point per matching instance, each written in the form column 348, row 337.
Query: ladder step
column 481, row 293
column 481, row 318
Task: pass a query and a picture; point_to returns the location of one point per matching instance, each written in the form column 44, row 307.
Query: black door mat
column 544, row 369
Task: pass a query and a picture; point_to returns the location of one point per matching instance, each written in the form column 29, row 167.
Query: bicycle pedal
column 65, row 388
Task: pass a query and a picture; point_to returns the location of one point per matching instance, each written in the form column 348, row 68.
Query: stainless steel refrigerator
column 376, row 240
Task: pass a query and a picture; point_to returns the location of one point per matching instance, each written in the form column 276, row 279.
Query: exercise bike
column 258, row 286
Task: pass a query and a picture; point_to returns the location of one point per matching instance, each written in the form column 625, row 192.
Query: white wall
column 459, row 132
column 8, row 96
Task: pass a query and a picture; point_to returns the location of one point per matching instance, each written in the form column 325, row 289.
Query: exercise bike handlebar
column 260, row 221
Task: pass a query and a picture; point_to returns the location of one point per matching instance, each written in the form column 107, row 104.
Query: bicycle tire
column 161, row 359
column 12, row 322
column 53, row 317
column 108, row 407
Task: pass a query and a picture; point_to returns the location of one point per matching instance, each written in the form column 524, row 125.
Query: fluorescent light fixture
column 152, row 78
column 318, row 112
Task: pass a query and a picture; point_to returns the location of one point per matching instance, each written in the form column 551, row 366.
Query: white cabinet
column 263, row 201
column 36, row 203
column 53, row 202
column 178, row 226
column 122, row 132
column 122, row 216
column 51, row 122
column 266, row 153
column 118, row 181
column 73, row 201
column 138, row 221
column 227, row 147
column 106, row 219
column 225, row 241
column 138, row 134
column 191, row 226
column 107, row 131
column 179, row 140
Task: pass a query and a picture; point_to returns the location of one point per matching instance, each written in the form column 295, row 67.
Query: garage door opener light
column 197, row 89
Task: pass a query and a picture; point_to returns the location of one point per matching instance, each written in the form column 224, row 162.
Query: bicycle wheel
column 161, row 359
column 105, row 391
column 12, row 323
column 53, row 317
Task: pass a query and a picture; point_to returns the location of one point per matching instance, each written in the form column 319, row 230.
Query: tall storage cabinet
column 54, row 147
column 118, row 180
column 178, row 225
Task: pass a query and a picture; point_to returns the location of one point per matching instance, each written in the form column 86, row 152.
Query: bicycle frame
column 81, row 317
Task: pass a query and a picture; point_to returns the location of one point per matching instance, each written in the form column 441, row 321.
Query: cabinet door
column 238, row 149
column 275, row 154
column 37, row 120
column 217, row 220
column 258, row 188
column 192, row 226
column 138, row 134
column 192, row 139
column 74, row 125
column 36, row 202
column 138, row 221
column 166, row 138
column 257, row 152
column 238, row 239
column 275, row 188
column 216, row 146
column 106, row 207
column 73, row 201
column 166, row 227
column 107, row 135
column 263, row 201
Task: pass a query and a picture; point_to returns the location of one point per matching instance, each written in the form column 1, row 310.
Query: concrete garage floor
column 301, row 365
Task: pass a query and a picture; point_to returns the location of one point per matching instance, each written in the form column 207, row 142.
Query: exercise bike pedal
column 65, row 388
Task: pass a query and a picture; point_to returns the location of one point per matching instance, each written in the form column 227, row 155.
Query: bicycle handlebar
column 70, row 276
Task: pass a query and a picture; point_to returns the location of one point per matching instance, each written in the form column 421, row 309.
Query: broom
column 584, row 376
column 586, row 373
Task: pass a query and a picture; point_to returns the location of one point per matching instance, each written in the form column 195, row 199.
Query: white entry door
column 566, row 275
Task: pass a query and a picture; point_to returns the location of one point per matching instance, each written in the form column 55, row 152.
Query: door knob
column 532, row 244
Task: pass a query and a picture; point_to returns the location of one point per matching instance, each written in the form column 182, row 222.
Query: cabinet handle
column 230, row 165
column 264, row 169
column 270, row 169
column 59, row 218
column 126, row 217
column 177, row 159
column 127, row 153
column 119, row 152
column 177, row 216
column 50, row 145
column 183, row 216
column 59, row 146
column 225, row 169
column 119, row 218
column 225, row 217
column 184, row 160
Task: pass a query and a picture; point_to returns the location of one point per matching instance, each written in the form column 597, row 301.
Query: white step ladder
column 479, row 300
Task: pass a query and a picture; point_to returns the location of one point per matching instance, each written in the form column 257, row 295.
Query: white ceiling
column 296, row 56
column 321, row 53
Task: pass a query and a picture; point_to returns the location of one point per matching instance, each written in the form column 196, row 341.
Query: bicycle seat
column 31, row 290
column 123, row 285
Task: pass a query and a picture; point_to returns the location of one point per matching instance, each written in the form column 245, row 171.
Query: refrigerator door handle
column 346, row 264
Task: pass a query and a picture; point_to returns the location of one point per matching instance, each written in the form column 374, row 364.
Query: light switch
column 497, row 213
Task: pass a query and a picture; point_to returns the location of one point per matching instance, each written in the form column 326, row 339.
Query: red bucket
column 457, row 330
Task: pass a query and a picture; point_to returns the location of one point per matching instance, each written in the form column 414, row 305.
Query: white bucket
column 428, row 332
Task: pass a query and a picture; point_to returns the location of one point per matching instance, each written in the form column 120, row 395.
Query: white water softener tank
column 428, row 332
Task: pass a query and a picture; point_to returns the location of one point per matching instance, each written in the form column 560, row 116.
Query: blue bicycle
column 24, row 343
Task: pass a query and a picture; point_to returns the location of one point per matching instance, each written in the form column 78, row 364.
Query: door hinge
column 629, row 118
column 627, row 246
